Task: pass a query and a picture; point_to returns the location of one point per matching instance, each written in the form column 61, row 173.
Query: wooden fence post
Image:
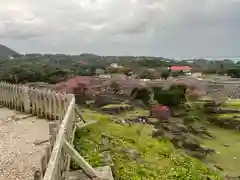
column 26, row 100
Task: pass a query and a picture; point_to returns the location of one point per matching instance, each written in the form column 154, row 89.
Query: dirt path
column 18, row 154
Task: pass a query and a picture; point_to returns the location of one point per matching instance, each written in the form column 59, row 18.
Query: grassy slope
column 160, row 159
column 226, row 157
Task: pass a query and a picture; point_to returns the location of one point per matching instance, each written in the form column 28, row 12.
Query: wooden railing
column 60, row 108
column 59, row 161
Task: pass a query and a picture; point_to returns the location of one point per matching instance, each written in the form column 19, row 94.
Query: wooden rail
column 60, row 108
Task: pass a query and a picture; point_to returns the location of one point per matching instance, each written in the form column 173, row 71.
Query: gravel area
column 18, row 154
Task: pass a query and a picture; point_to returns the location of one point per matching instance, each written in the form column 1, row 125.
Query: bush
column 143, row 94
column 165, row 74
column 172, row 97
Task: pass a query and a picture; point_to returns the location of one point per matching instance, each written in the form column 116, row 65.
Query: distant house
column 83, row 62
column 197, row 75
column 181, row 68
column 115, row 65
column 10, row 57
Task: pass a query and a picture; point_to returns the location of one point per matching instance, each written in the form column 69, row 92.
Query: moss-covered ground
column 158, row 159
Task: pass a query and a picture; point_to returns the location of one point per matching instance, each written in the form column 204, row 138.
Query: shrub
column 172, row 97
column 143, row 94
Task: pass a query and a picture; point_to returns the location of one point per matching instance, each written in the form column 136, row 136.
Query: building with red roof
column 181, row 68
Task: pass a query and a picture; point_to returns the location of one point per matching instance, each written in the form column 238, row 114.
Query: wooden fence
column 60, row 108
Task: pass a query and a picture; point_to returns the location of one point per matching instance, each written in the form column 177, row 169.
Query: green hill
column 6, row 52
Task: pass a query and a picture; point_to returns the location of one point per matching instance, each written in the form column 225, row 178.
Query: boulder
column 231, row 178
column 227, row 123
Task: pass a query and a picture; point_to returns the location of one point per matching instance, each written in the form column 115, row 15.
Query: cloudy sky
column 171, row 28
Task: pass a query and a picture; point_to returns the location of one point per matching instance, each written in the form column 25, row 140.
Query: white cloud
column 19, row 21
column 158, row 27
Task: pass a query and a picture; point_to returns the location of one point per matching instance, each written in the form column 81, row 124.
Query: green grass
column 226, row 157
column 232, row 103
column 134, row 113
column 116, row 106
column 159, row 159
column 228, row 116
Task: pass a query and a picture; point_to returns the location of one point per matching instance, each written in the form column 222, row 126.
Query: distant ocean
column 234, row 59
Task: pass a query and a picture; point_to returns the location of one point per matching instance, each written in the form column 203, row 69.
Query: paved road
column 18, row 153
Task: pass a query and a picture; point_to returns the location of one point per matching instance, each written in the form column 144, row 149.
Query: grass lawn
column 226, row 157
column 158, row 160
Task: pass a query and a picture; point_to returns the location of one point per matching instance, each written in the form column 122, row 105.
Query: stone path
column 19, row 155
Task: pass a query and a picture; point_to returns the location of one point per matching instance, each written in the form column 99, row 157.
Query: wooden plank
column 44, row 164
column 24, row 117
column 80, row 160
column 88, row 123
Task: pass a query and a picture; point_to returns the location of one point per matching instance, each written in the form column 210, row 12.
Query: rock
column 231, row 178
column 106, row 159
column 133, row 153
column 120, row 120
column 226, row 145
column 105, row 173
column 157, row 133
column 153, row 121
column 181, row 127
column 228, row 123
column 168, row 135
column 196, row 154
column 202, row 131
column 105, row 144
column 218, row 167
column 191, row 144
